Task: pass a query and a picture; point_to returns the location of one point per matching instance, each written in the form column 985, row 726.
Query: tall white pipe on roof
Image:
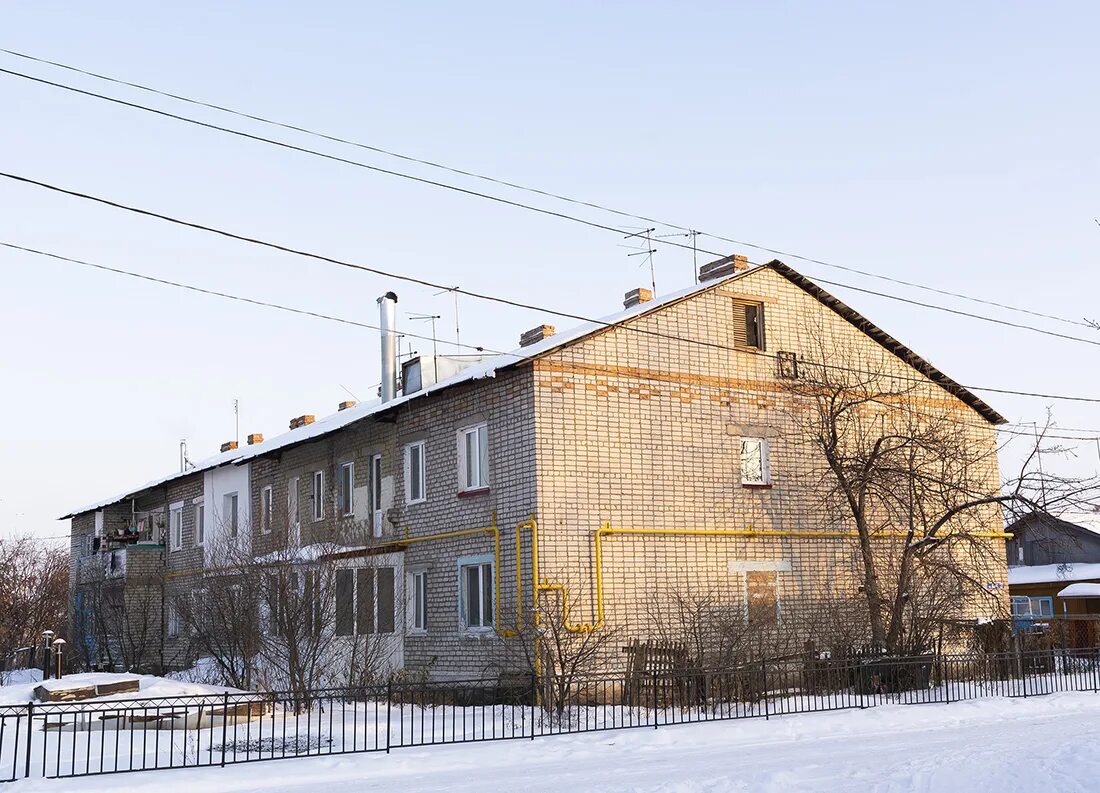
column 387, row 320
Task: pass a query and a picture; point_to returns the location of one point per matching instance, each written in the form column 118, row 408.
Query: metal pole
column 30, row 732
column 654, row 699
column 764, row 683
column 534, row 703
column 225, row 722
column 389, row 708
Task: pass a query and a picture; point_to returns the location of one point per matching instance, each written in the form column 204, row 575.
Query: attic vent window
column 748, row 325
column 786, row 364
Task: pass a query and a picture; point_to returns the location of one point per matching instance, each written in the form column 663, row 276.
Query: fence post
column 654, row 681
column 534, row 703
column 30, row 732
column 764, row 683
column 225, row 723
column 389, row 709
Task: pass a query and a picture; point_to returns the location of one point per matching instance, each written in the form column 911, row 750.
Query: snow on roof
column 1080, row 591
column 308, row 553
column 1045, row 573
column 1085, row 519
column 210, row 462
column 486, row 368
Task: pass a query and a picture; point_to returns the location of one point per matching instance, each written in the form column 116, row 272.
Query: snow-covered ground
column 20, row 689
column 1003, row 745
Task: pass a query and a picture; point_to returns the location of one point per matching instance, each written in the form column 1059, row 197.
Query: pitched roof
column 889, row 342
column 490, row 366
column 215, row 461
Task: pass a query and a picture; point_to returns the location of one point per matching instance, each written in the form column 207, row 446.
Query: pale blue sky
column 952, row 144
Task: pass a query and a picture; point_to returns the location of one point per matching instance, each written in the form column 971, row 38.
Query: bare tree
column 915, row 472
column 34, row 590
column 559, row 652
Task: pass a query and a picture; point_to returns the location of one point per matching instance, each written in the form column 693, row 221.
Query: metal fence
column 68, row 739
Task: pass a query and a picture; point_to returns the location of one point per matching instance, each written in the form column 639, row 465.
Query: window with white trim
column 415, row 489
column 267, row 501
column 200, row 522
column 418, row 601
column 473, row 457
column 365, row 601
column 175, row 526
column 173, row 619
column 475, row 581
column 318, row 495
column 375, row 506
column 345, row 489
column 294, row 516
column 754, row 462
column 231, row 516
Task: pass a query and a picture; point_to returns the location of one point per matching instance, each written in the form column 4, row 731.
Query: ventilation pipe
column 387, row 313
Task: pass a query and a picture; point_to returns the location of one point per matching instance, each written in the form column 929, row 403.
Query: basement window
column 748, row 325
column 755, row 469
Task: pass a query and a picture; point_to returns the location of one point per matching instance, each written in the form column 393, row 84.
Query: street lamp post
column 58, row 651
column 47, row 640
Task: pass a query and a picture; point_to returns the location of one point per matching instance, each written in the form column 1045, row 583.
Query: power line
column 327, row 317
column 478, row 295
column 693, row 232
column 561, row 215
column 226, row 295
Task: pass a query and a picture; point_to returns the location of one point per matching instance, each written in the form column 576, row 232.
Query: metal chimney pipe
column 387, row 322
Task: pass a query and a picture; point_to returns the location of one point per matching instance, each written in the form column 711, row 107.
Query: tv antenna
column 454, row 291
column 647, row 252
column 694, row 250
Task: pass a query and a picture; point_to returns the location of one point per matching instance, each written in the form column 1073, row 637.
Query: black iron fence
column 67, row 739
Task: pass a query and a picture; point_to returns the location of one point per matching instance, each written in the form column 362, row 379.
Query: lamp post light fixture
column 47, row 640
column 58, row 647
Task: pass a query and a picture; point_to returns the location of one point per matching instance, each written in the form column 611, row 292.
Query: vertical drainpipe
column 387, row 313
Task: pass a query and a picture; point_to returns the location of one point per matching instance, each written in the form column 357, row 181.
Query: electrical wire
column 477, row 295
column 226, row 295
column 516, row 204
column 537, row 191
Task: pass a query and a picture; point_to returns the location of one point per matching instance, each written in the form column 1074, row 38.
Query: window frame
column 374, row 495
column 416, row 598
column 422, row 457
column 175, row 526
column 481, row 442
column 318, row 496
column 172, row 619
column 267, row 506
column 376, row 611
column 764, row 448
column 1041, row 600
column 233, row 516
column 198, row 518
column 345, row 489
column 486, row 582
column 741, row 305
column 294, row 510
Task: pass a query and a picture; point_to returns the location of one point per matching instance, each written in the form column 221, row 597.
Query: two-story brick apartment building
column 604, row 472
